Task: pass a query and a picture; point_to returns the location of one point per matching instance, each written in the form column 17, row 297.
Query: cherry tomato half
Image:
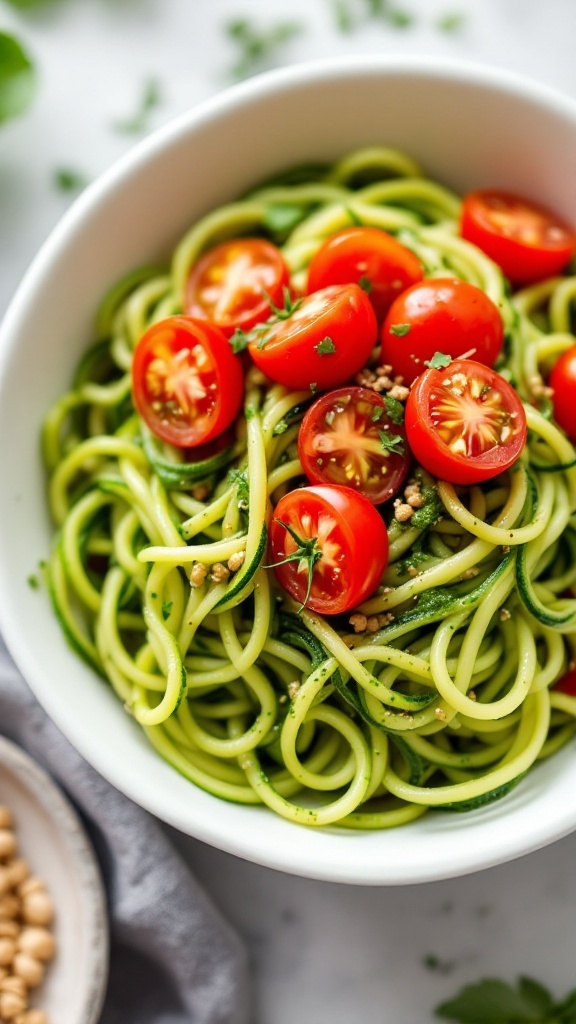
column 465, row 423
column 322, row 343
column 567, row 684
column 440, row 315
column 525, row 239
column 348, row 438
column 186, row 382
column 369, row 257
column 563, row 381
column 341, row 549
column 234, row 284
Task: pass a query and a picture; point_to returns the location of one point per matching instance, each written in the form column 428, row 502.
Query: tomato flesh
column 347, row 437
column 348, row 535
column 465, row 423
column 367, row 256
column 567, row 684
column 187, row 384
column 322, row 343
column 440, row 315
column 563, row 381
column 528, row 241
column 235, row 284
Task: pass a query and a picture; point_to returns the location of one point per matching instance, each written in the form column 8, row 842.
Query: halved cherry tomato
column 440, row 314
column 567, row 684
column 528, row 241
column 465, row 423
column 563, row 381
column 235, row 283
column 329, row 547
column 371, row 258
column 347, row 437
column 186, row 382
column 323, row 342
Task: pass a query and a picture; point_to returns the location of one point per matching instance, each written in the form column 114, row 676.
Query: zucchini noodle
column 158, row 572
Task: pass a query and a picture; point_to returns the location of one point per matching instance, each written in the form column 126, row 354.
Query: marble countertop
column 321, row 952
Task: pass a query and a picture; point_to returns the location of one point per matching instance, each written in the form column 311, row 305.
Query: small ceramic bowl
column 469, row 126
column 52, row 840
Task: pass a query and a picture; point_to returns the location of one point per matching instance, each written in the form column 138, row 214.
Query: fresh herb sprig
column 258, row 48
column 17, row 78
column 139, row 122
column 492, row 1001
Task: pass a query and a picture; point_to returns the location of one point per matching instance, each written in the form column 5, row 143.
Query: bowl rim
column 302, row 861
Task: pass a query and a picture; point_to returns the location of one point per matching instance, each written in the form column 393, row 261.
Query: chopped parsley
column 492, row 1001
column 33, row 582
column 17, row 78
column 394, row 409
column 68, row 180
column 400, row 329
column 431, row 510
column 377, row 413
column 240, row 478
column 139, row 122
column 392, row 442
column 439, row 361
column 365, row 284
column 166, row 609
column 325, row 347
column 451, row 22
column 258, row 47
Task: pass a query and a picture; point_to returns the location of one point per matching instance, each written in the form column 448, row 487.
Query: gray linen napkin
column 173, row 959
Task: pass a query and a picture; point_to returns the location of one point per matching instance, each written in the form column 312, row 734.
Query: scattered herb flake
column 313, row 386
column 33, row 582
column 166, row 609
column 451, row 22
column 68, row 180
column 495, row 1002
column 17, row 78
column 439, row 361
column 392, row 442
column 258, row 48
column 325, row 347
column 240, row 340
column 400, row 329
column 365, row 284
column 431, row 510
column 378, row 412
column 150, row 99
column 394, row 409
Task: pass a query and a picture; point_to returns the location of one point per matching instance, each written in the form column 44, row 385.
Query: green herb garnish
column 400, row 329
column 258, row 47
column 439, row 361
column 17, row 78
column 496, row 1002
column 166, row 609
column 392, row 442
column 68, row 180
column 451, row 22
column 150, row 99
column 325, row 347
column 365, row 284
column 394, row 409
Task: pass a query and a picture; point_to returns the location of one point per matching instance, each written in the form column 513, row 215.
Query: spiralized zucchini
column 449, row 702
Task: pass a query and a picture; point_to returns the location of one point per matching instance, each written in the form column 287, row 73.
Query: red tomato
column 441, row 314
column 563, row 381
column 348, row 438
column 322, row 343
column 234, row 284
column 465, row 423
column 186, row 382
column 525, row 239
column 567, row 684
column 369, row 257
column 336, row 555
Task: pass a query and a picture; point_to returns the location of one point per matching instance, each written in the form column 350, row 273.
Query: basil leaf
column 17, row 78
column 490, row 1002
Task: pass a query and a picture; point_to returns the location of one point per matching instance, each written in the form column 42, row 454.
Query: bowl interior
column 469, row 127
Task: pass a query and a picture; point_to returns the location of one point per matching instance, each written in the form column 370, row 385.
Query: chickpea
column 37, row 908
column 14, row 984
column 37, row 942
column 30, row 970
column 11, row 1005
column 7, row 951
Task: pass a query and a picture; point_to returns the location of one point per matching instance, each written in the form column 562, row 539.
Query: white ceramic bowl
column 52, row 839
column 469, row 126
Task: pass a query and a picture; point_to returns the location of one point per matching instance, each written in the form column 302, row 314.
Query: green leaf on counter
column 150, row 99
column 258, row 47
column 495, row 1002
column 17, row 78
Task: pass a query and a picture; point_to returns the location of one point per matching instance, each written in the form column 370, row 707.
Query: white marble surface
column 321, row 952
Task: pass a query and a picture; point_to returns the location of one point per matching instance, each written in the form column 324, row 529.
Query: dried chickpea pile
column 26, row 943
